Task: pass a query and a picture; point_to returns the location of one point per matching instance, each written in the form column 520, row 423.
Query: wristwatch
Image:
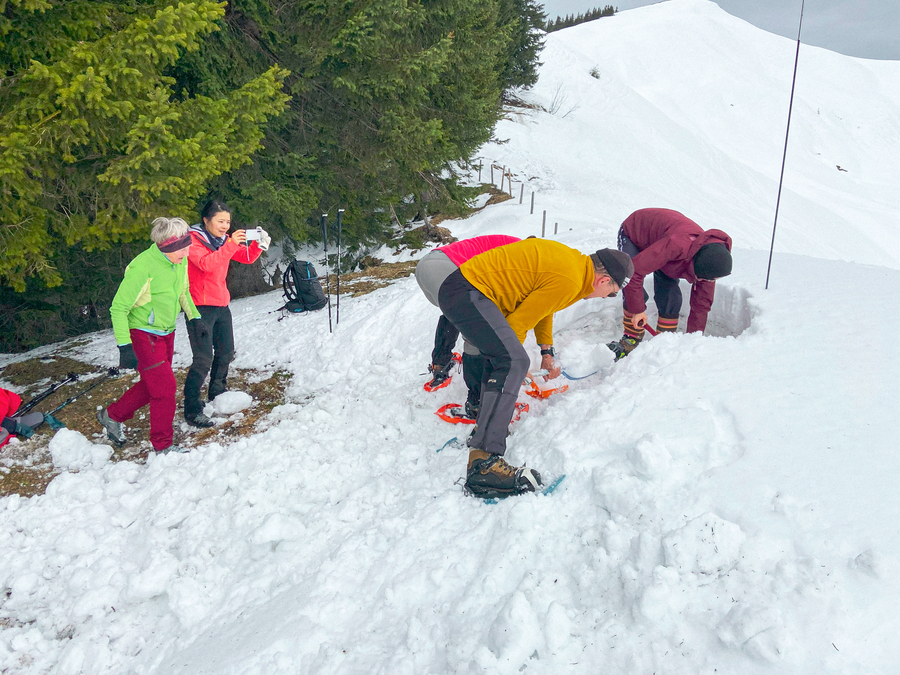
column 548, row 352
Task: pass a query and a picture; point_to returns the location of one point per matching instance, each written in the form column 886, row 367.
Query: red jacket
column 9, row 403
column 668, row 241
column 208, row 267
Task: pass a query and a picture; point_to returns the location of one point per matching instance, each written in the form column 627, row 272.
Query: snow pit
column 731, row 312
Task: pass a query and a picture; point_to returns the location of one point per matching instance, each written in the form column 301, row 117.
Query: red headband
column 173, row 244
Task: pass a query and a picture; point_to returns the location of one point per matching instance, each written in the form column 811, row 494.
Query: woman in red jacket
column 212, row 336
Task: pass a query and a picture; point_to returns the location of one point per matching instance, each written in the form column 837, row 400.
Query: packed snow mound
column 71, row 450
column 230, row 402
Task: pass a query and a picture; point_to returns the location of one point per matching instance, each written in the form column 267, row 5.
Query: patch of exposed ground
column 378, row 275
column 26, row 467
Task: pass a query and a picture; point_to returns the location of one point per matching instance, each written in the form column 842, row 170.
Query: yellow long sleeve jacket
column 530, row 280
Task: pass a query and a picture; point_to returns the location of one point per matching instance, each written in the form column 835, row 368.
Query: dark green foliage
column 81, row 305
column 527, row 19
column 572, row 20
column 387, row 96
column 92, row 142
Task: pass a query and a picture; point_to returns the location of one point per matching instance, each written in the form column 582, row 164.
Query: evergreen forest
column 114, row 113
column 569, row 20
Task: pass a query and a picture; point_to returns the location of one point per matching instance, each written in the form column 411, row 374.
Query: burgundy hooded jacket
column 668, row 241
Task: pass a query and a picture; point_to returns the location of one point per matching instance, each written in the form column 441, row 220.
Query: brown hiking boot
column 490, row 476
column 624, row 346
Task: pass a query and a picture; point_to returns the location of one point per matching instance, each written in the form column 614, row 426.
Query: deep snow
column 731, row 500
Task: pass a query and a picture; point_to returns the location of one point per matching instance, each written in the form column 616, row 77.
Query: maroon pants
column 156, row 386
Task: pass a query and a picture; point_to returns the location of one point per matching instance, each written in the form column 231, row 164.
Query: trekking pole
column 327, row 283
column 112, row 372
column 337, row 313
column 650, row 330
column 71, row 377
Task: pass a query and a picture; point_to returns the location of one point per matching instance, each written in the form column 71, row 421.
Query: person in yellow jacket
column 494, row 299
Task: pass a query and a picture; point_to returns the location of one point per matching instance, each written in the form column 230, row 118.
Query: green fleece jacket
column 150, row 296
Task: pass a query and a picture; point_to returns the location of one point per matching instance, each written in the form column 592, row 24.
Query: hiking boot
column 115, row 431
column 199, row 420
column 472, row 410
column 171, row 448
column 624, row 346
column 489, row 476
column 440, row 376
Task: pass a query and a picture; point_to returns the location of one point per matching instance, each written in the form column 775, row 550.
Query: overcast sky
column 866, row 28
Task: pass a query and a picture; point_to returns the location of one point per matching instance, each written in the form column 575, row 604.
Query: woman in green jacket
column 143, row 313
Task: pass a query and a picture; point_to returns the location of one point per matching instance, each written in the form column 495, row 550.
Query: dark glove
column 127, row 359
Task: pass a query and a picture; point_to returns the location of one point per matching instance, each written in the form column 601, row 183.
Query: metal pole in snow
column 544, row 225
column 786, row 134
column 521, row 191
column 327, row 283
column 337, row 311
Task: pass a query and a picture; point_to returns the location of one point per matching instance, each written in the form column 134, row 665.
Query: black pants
column 666, row 291
column 212, row 343
column 444, row 341
column 472, row 365
column 505, row 361
column 473, row 375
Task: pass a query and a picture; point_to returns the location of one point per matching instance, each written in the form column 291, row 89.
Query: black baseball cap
column 617, row 264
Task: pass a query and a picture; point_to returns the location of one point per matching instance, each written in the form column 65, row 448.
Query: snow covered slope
column 730, row 502
column 688, row 111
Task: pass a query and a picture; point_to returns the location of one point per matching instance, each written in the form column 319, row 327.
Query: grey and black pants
column 505, row 361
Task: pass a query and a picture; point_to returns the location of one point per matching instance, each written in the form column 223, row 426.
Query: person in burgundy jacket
column 212, row 336
column 670, row 246
column 431, row 272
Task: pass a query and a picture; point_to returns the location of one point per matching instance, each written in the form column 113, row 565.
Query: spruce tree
column 94, row 141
